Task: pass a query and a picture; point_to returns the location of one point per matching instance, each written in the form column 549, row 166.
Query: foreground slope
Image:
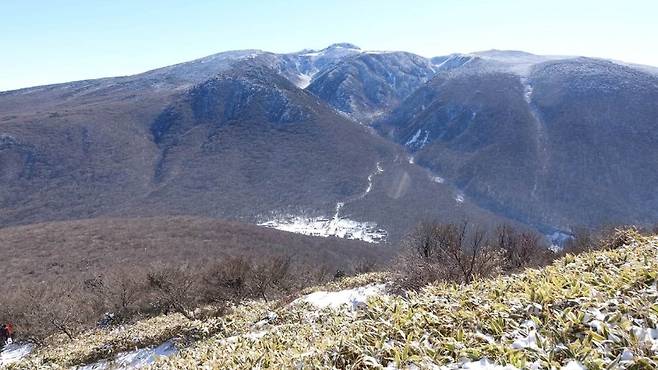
column 596, row 310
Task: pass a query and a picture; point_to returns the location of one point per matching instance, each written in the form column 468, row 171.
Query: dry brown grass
column 87, row 248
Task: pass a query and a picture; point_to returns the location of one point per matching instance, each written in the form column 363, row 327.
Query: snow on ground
column 353, row 298
column 646, row 336
column 304, row 80
column 527, row 337
column 133, row 359
column 437, row 179
column 413, row 138
column 483, row 364
column 459, row 197
column 14, row 352
column 573, row 365
column 335, row 226
column 254, row 336
column 325, row 227
column 416, row 142
column 527, row 90
column 378, row 170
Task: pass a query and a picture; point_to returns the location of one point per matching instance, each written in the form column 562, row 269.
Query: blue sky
column 48, row 41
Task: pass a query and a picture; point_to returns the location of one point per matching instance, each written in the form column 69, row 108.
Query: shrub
column 521, row 249
column 174, row 289
column 449, row 252
column 117, row 292
column 588, row 239
column 272, row 274
column 40, row 310
column 227, row 280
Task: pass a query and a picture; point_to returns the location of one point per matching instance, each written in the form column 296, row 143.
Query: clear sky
column 48, row 41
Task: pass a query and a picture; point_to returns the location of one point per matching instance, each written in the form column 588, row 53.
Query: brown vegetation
column 463, row 252
column 89, row 248
column 70, row 306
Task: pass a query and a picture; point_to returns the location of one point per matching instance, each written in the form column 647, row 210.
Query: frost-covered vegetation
column 597, row 310
column 593, row 310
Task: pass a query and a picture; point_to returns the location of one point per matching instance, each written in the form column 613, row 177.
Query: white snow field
column 335, row 226
column 353, row 298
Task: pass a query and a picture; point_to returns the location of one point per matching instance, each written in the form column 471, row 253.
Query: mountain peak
column 342, row 45
column 504, row 53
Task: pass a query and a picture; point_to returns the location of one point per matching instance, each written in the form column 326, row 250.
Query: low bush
column 463, row 252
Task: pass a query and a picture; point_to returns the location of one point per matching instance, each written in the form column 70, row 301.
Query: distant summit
column 496, row 53
column 342, row 45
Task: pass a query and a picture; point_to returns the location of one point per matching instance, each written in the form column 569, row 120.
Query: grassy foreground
column 598, row 308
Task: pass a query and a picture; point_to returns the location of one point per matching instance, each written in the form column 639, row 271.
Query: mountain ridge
column 206, row 138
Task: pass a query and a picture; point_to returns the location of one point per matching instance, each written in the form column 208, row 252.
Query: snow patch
column 378, row 170
column 459, row 197
column 413, row 139
column 646, row 336
column 134, row 359
column 527, row 90
column 303, row 80
column 483, row 364
column 336, row 226
column 438, row 179
column 353, row 298
column 15, row 352
column 325, row 227
column 254, row 336
column 415, row 142
column 527, row 341
column 573, row 365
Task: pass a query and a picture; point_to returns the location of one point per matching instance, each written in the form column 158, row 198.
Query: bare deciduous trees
column 462, row 253
column 175, row 289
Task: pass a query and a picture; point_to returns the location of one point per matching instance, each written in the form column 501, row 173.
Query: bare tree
column 452, row 252
column 521, row 249
column 41, row 310
column 227, row 280
column 175, row 288
column 269, row 275
column 117, row 291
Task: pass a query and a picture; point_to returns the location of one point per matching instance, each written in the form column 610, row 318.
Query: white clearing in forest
column 325, row 227
column 336, row 225
column 353, row 298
